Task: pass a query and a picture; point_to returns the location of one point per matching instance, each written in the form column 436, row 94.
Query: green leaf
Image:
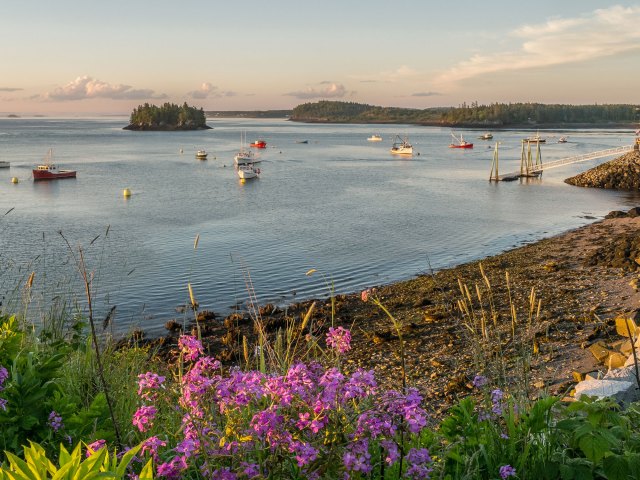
column 126, row 459
column 593, row 446
column 147, row 471
column 19, row 466
column 616, row 467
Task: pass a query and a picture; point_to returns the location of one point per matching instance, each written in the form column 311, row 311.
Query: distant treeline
column 496, row 114
column 167, row 117
column 249, row 114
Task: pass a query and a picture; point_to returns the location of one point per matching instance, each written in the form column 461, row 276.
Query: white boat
column 375, row 138
column 4, row 164
column 246, row 171
column 563, row 139
column 486, row 136
column 401, row 146
column 245, row 155
column 201, row 154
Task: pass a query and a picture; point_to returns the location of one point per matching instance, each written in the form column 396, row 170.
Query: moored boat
column 4, row 164
column 375, row 138
column 50, row 171
column 260, row 143
column 535, row 139
column 563, row 139
column 245, row 156
column 201, row 155
column 401, row 146
column 460, row 142
column 247, row 171
column 486, row 136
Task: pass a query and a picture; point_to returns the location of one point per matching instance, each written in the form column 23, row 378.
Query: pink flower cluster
column 339, row 339
column 261, row 420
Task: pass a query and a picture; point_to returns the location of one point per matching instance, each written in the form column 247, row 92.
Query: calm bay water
column 339, row 204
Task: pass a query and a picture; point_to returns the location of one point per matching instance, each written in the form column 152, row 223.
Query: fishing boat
column 4, row 164
column 486, row 136
column 563, row 139
column 50, row 171
column 459, row 142
column 201, row 155
column 375, row 138
column 535, row 139
column 260, row 143
column 302, row 141
column 401, row 146
column 247, row 171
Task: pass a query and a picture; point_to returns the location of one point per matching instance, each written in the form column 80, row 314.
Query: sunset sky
column 78, row 57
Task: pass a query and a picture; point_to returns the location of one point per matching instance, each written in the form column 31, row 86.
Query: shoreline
column 578, row 303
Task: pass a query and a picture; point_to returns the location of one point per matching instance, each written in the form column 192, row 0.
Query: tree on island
column 167, row 117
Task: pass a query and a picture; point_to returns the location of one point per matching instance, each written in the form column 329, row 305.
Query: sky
column 69, row 57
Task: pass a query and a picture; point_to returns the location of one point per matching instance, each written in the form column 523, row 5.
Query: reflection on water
column 339, row 204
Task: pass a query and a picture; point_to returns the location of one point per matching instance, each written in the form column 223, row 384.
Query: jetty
column 532, row 165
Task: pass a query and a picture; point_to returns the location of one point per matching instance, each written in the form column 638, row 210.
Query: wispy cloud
column 426, row 94
column 207, row 90
column 601, row 33
column 324, row 89
column 388, row 76
column 10, row 89
column 86, row 87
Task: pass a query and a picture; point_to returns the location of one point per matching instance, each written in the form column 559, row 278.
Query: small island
column 168, row 117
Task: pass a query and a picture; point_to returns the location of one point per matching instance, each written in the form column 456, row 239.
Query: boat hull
column 258, row 144
column 46, row 175
column 468, row 145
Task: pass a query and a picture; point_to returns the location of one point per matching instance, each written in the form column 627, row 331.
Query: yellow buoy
column 126, row 192
column 14, row 180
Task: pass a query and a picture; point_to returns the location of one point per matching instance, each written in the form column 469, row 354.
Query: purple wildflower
column 151, row 446
column 393, row 453
column 357, row 457
column 418, row 460
column 95, row 446
column 143, row 418
column 507, row 471
column 223, row 474
column 55, row 421
column 3, row 404
column 305, row 453
column 479, row 381
column 148, row 383
column 250, row 469
column 496, row 401
column 4, row 374
column 172, row 469
column 339, row 339
column 190, row 347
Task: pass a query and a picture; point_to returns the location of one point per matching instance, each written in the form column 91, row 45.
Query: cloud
column 207, row 90
column 87, row 87
column 601, row 33
column 388, row 76
column 331, row 90
column 10, row 89
column 426, row 94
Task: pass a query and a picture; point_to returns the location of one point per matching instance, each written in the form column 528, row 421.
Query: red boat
column 460, row 142
column 259, row 144
column 49, row 171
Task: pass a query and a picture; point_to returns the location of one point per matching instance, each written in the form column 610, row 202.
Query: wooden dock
column 529, row 168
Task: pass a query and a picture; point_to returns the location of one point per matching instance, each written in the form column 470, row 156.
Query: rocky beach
column 531, row 316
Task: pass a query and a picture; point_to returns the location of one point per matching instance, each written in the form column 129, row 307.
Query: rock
column 631, row 360
column 626, row 324
column 634, row 212
column 616, row 360
column 173, row 326
column 628, row 374
column 615, row 214
column 599, row 351
column 621, row 390
column 620, row 173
